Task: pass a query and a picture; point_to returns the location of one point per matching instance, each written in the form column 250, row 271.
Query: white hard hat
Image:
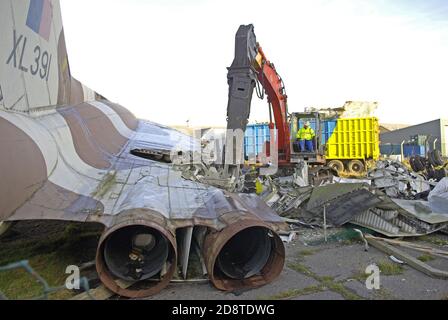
column 308, row 123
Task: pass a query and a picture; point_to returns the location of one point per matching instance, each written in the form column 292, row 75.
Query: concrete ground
column 331, row 271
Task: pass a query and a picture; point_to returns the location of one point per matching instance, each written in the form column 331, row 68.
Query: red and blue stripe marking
column 40, row 17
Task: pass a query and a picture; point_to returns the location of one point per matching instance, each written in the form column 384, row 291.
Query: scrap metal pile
column 433, row 166
column 392, row 200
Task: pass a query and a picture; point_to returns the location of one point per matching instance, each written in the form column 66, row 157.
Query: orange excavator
column 252, row 70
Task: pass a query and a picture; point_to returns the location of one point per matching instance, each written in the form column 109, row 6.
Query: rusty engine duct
column 138, row 257
column 247, row 254
column 134, row 251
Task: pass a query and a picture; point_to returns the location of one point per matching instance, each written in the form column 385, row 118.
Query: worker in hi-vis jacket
column 305, row 137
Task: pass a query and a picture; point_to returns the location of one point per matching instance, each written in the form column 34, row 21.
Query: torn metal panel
column 341, row 202
column 291, row 199
column 421, row 210
column 438, row 198
column 347, row 180
column 324, row 194
column 401, row 219
column 208, row 175
column 375, row 222
column 342, row 209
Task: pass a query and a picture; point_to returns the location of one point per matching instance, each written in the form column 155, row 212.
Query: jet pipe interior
column 134, row 253
column 244, row 255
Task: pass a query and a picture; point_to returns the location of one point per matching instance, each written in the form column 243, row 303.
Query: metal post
column 325, row 223
column 427, row 145
column 402, row 150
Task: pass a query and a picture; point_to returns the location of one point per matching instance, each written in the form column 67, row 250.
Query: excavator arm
column 278, row 104
column 242, row 78
column 249, row 66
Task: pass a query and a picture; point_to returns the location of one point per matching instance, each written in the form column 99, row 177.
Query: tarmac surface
column 331, row 271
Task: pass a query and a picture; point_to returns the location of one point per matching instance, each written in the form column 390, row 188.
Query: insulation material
column 359, row 109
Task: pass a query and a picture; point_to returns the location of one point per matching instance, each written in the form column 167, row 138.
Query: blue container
column 390, row 149
column 328, row 127
column 255, row 139
column 414, row 150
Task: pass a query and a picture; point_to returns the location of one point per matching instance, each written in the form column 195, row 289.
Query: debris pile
column 432, row 167
column 209, row 175
column 392, row 200
column 397, row 181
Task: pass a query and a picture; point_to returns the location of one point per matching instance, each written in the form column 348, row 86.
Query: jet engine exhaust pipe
column 245, row 255
column 134, row 252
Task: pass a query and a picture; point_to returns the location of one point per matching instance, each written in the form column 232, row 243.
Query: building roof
column 386, row 127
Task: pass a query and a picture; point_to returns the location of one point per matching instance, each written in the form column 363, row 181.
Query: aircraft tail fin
column 34, row 66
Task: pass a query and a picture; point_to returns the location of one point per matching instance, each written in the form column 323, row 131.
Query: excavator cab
column 316, row 156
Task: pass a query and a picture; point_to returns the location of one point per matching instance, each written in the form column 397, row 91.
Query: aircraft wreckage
column 70, row 154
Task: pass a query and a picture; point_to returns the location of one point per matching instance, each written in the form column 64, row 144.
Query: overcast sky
column 166, row 60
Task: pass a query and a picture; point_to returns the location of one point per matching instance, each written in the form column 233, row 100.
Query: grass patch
column 326, row 282
column 426, row 258
column 301, row 269
column 434, row 240
column 349, row 242
column 341, row 289
column 326, row 279
column 306, row 253
column 389, row 268
column 49, row 254
column 19, row 284
column 361, row 276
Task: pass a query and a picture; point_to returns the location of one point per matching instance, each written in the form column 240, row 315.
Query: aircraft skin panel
column 126, row 116
column 96, row 139
column 150, row 180
column 52, row 202
column 115, row 118
column 22, row 168
column 34, row 131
